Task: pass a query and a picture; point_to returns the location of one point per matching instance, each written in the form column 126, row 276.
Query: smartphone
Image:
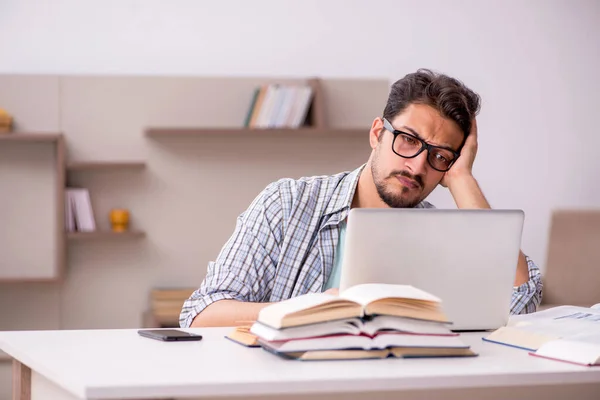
column 169, row 335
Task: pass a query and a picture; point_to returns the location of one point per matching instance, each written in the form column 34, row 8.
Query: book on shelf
column 279, row 106
column 79, row 213
column 364, row 321
column 564, row 333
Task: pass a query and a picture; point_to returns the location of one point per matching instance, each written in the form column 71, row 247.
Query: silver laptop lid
column 468, row 258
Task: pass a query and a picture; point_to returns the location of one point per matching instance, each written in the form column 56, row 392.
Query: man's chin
column 400, row 196
column 401, row 201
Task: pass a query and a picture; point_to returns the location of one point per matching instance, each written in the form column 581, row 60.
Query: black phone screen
column 170, row 335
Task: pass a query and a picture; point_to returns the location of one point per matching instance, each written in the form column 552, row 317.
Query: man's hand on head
column 459, row 179
column 463, row 168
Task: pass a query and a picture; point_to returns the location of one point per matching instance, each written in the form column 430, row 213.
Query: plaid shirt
column 284, row 246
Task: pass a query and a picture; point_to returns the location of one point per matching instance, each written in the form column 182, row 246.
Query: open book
column 356, row 302
column 399, row 352
column 564, row 333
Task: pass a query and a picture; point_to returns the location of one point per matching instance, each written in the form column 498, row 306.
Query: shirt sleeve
column 527, row 297
column 246, row 265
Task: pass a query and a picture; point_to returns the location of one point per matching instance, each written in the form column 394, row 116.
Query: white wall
column 534, row 62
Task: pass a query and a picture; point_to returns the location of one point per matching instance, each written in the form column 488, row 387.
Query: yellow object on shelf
column 6, row 121
column 119, row 219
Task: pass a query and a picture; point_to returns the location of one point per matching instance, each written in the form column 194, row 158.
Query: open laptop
column 467, row 258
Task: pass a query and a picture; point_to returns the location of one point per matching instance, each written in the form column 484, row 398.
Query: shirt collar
column 344, row 192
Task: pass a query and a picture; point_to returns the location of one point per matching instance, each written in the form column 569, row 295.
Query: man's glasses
column 407, row 145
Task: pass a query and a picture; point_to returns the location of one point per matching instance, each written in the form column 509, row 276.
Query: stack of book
column 365, row 321
column 279, row 106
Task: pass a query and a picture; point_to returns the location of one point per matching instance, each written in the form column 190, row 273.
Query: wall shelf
column 103, row 235
column 74, row 167
column 193, row 132
column 81, row 166
column 30, row 137
column 314, row 124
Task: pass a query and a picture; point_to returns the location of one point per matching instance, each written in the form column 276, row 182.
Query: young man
column 285, row 243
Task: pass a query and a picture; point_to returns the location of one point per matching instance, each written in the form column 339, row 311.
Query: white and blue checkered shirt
column 284, row 245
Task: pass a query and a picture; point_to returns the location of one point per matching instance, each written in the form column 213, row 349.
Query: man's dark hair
column 450, row 97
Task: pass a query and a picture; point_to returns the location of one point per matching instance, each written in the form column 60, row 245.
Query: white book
column 266, row 109
column 83, row 211
column 565, row 333
column 304, row 101
column 287, row 99
column 293, row 104
column 69, row 213
column 274, row 106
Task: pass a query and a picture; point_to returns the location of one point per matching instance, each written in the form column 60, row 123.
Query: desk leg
column 21, row 381
column 29, row 385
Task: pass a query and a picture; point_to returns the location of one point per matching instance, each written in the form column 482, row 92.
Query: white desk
column 119, row 364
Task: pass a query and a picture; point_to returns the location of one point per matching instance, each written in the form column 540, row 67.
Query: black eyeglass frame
column 424, row 145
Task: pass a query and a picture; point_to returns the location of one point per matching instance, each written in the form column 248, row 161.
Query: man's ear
column 376, row 132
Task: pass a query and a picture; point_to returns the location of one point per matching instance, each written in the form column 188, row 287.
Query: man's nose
column 418, row 165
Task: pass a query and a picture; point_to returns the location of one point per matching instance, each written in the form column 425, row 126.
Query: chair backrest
column 572, row 274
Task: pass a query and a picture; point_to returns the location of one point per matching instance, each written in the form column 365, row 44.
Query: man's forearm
column 522, row 270
column 228, row 313
column 467, row 194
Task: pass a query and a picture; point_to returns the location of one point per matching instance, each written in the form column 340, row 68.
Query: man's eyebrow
column 411, row 130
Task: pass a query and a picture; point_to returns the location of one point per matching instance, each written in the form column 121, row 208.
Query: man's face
column 405, row 182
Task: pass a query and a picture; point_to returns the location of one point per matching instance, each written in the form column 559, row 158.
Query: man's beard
column 388, row 197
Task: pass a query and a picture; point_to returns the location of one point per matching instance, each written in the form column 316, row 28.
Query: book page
column 552, row 313
column 369, row 292
column 591, row 336
column 386, row 322
column 307, row 301
column 584, row 352
column 565, row 321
